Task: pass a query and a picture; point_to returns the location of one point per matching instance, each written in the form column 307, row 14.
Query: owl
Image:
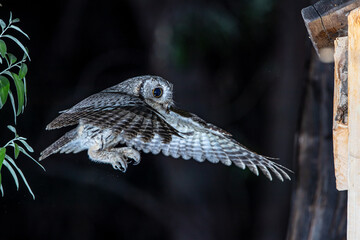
column 139, row 114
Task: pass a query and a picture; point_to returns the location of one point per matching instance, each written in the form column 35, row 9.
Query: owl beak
column 169, row 105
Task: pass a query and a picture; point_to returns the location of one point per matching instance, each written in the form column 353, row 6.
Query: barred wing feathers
column 212, row 145
column 94, row 105
column 124, row 114
column 133, row 121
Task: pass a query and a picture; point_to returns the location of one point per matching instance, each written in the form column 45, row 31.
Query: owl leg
column 117, row 157
column 128, row 152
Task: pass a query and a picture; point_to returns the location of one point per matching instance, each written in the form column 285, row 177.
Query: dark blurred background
column 239, row 64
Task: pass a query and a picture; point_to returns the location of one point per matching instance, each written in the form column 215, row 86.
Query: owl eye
column 157, row 92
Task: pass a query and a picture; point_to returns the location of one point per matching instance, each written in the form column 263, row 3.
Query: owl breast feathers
column 140, row 114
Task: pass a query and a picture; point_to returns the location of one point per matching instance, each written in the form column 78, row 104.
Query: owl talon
column 117, row 157
column 120, row 165
column 120, row 157
column 128, row 152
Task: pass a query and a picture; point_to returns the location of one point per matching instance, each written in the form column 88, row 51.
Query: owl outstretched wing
column 203, row 141
column 185, row 135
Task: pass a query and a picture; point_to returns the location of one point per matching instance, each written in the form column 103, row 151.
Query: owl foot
column 117, row 157
column 123, row 155
column 128, row 152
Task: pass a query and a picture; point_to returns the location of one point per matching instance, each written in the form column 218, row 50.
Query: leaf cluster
column 19, row 145
column 14, row 71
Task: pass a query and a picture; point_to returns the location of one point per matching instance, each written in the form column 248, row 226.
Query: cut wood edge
column 340, row 128
column 353, row 218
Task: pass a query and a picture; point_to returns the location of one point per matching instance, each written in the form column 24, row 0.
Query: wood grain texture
column 340, row 127
column 325, row 21
column 353, row 230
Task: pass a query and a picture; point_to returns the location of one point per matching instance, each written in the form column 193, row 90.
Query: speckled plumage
column 129, row 113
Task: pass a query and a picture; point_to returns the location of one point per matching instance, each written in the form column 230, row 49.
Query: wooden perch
column 325, row 21
column 353, row 230
column 340, row 113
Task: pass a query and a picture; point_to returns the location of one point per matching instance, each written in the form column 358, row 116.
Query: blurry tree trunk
column 318, row 209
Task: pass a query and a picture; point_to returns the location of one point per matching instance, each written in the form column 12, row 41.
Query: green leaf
column 23, row 70
column 2, row 156
column 28, row 155
column 28, row 147
column 25, row 91
column 1, row 188
column 16, row 150
column 11, row 128
column 12, row 171
column 21, row 174
column 16, row 20
column 8, row 73
column 20, row 93
column 10, row 19
column 26, row 53
column 3, row 48
column 2, row 24
column 4, row 90
column 18, row 43
column 12, row 58
column 19, row 30
column 13, row 104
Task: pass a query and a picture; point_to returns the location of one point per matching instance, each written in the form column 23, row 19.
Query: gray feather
column 59, row 144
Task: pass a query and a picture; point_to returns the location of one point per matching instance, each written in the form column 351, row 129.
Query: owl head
column 156, row 91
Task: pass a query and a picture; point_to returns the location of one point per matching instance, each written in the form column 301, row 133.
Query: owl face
column 157, row 91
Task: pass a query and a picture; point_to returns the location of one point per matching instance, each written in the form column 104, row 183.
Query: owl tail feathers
column 59, row 144
column 266, row 165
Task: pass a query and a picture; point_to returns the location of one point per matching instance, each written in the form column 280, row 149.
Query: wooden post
column 340, row 113
column 353, row 229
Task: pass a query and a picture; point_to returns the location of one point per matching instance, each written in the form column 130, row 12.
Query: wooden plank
column 353, row 229
column 325, row 21
column 340, row 113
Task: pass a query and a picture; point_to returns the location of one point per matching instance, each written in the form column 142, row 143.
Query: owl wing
column 95, row 105
column 203, row 141
column 124, row 114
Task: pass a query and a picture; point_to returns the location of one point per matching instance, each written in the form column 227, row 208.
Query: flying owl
column 140, row 113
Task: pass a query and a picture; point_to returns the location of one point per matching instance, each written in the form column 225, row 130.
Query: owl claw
column 120, row 165
column 122, row 159
column 128, row 152
column 117, row 157
column 136, row 163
